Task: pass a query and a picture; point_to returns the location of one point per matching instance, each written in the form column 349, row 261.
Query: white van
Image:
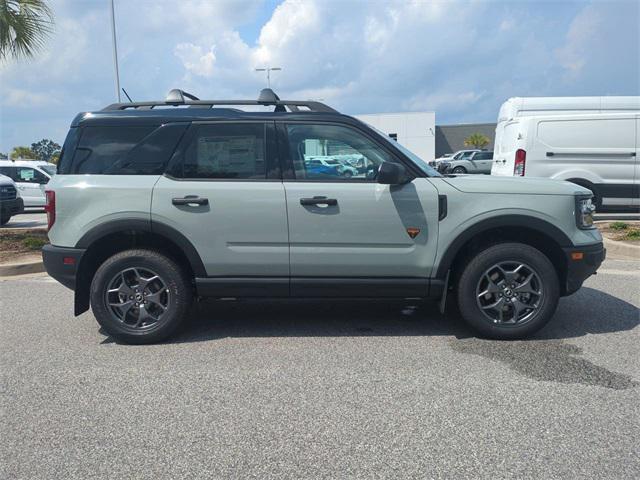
column 30, row 176
column 598, row 151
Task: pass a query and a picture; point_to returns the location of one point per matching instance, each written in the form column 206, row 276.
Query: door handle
column 318, row 201
column 190, row 200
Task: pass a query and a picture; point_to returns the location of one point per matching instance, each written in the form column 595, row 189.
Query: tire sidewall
column 459, row 170
column 175, row 281
column 506, row 252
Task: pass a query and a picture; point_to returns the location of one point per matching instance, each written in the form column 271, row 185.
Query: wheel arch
column 533, row 231
column 110, row 238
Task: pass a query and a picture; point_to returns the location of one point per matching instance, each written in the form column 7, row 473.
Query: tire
column 126, row 274
column 347, row 174
column 4, row 220
column 459, row 170
column 535, row 308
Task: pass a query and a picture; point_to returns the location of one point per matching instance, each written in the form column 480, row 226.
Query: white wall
column 415, row 130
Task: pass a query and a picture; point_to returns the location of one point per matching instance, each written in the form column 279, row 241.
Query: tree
column 23, row 152
column 476, row 140
column 3, row 156
column 24, row 27
column 55, row 158
column 45, row 149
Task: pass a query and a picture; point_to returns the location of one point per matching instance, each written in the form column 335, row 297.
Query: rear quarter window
column 120, row 150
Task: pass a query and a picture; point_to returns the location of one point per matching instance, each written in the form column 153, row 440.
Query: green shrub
column 619, row 226
column 633, row 234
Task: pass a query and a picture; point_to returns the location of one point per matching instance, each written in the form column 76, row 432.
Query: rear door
column 353, row 236
column 508, row 138
column 224, row 193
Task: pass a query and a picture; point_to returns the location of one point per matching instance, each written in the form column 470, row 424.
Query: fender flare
column 525, row 221
column 146, row 226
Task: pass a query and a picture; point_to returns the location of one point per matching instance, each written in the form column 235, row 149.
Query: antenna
column 268, row 70
column 125, row 92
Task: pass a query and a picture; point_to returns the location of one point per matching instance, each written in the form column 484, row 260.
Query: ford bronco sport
column 158, row 203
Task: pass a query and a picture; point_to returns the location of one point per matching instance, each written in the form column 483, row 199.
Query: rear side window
column 150, row 156
column 101, row 147
column 226, row 151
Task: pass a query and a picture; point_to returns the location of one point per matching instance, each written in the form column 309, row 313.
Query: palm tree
column 476, row 140
column 24, row 27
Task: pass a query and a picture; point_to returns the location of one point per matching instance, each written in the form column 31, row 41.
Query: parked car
column 10, row 202
column 477, row 162
column 598, row 151
column 318, row 168
column 200, row 202
column 30, row 177
column 449, row 157
column 342, row 168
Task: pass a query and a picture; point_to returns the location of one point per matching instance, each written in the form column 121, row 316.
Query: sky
column 461, row 59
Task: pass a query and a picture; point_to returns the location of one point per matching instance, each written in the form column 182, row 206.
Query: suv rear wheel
column 140, row 296
column 508, row 291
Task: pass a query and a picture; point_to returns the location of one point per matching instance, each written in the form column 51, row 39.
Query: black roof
column 180, row 106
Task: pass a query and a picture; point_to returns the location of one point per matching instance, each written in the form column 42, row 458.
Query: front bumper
column 62, row 263
column 9, row 208
column 582, row 262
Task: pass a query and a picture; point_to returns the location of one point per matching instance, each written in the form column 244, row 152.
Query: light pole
column 115, row 50
column 268, row 70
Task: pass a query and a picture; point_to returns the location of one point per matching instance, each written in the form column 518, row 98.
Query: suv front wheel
column 140, row 296
column 508, row 291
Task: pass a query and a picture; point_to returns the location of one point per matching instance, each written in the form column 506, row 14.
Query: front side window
column 226, row 151
column 333, row 152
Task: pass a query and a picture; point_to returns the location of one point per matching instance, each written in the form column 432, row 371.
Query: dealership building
column 418, row 132
column 414, row 130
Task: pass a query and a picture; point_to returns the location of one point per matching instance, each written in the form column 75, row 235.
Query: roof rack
column 267, row 96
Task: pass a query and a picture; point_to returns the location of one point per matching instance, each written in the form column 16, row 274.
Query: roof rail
column 267, row 96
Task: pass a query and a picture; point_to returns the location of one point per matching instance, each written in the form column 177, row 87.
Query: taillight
column 521, row 160
column 50, row 208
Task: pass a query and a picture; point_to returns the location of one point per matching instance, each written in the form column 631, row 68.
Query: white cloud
column 195, row 59
column 20, row 98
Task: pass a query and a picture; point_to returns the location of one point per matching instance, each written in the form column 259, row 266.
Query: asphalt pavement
column 29, row 219
column 322, row 389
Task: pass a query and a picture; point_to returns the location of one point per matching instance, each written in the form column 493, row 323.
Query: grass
column 619, row 226
column 34, row 243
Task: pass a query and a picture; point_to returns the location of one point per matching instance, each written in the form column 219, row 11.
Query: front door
column 352, row 230
column 224, row 193
column 30, row 183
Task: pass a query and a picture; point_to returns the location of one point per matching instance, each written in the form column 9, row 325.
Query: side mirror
column 391, row 174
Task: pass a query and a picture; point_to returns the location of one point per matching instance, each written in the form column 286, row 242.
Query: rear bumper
column 62, row 263
column 8, row 208
column 582, row 262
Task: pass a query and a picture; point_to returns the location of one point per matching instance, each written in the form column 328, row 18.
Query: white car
column 598, row 151
column 450, row 157
column 30, row 177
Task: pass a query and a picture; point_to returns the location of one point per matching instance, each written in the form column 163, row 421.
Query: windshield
column 420, row 163
column 50, row 169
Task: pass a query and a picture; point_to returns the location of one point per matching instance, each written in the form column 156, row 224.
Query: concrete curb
column 33, row 265
column 621, row 248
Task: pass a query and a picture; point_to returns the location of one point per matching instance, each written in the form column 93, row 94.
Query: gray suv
column 154, row 206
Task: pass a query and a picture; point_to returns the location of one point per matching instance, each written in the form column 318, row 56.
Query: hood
column 513, row 185
column 4, row 180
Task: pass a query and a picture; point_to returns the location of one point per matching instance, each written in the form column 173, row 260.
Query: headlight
column 584, row 212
